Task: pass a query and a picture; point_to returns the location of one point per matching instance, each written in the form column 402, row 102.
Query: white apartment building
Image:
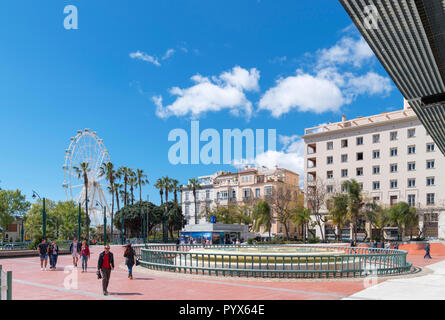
column 205, row 198
column 390, row 154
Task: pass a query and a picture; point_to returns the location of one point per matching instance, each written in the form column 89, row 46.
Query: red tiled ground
column 31, row 283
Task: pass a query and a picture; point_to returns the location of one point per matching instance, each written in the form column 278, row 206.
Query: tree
column 175, row 186
column 160, row 186
column 302, row 218
column 133, row 219
column 125, row 173
column 132, row 181
column 403, row 216
column 377, row 216
column 338, row 211
column 316, row 196
column 174, row 216
column 13, row 204
column 194, row 185
column 262, row 215
column 107, row 171
column 82, row 172
column 142, row 180
column 355, row 203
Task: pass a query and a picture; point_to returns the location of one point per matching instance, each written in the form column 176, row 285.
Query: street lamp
column 105, row 221
column 34, row 195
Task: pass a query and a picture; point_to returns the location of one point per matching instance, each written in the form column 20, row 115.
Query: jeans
column 84, row 262
column 53, row 260
column 427, row 255
column 130, row 270
column 106, row 273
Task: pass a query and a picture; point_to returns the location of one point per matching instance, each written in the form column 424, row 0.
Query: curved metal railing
column 305, row 262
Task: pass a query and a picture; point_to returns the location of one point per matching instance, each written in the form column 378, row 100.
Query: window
column 344, row 143
column 257, row 193
column 361, row 185
column 430, row 147
column 376, row 138
column 411, row 183
column 187, row 210
column 330, row 174
column 393, row 152
column 412, row 200
column 376, row 154
column 393, row 184
column 376, row 170
column 430, row 181
column 393, row 167
column 393, row 135
column 344, row 158
column 330, row 145
column 430, row 164
column 246, row 193
column 207, row 194
column 393, row 200
column 359, row 141
column 233, row 194
column 411, row 149
column 268, row 191
column 375, row 198
column 330, row 160
column 344, row 173
column 344, row 189
column 330, row 189
column 430, row 199
column 376, row 185
column 359, row 171
column 411, row 166
column 411, row 133
column 359, row 156
column 186, row 196
column 223, row 195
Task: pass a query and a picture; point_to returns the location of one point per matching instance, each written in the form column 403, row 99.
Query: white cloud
column 347, row 50
column 304, row 92
column 227, row 91
column 145, row 57
column 168, row 54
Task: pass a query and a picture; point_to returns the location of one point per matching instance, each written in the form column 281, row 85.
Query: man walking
column 105, row 265
column 427, row 250
column 75, row 251
column 42, row 248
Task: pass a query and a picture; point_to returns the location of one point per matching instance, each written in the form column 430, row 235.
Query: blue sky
column 297, row 64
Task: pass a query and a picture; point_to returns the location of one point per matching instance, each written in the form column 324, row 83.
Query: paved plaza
column 30, row 283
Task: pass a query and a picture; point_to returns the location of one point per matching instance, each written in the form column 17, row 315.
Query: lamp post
column 79, row 219
column 34, row 195
column 105, row 221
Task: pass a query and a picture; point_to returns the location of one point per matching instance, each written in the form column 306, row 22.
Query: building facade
column 390, row 154
column 245, row 187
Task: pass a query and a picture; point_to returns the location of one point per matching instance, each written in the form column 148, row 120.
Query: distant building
column 13, row 232
column 390, row 154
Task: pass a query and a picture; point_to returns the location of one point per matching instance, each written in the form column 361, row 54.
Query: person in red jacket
column 84, row 256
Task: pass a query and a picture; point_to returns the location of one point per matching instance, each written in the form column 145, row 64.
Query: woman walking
column 129, row 255
column 53, row 252
column 84, row 256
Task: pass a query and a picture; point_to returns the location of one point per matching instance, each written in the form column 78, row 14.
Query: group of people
column 105, row 263
column 385, row 245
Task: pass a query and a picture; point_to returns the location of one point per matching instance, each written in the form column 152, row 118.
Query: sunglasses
column 107, row 248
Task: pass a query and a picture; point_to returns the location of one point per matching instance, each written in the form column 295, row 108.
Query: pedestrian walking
column 105, row 264
column 75, row 251
column 129, row 256
column 427, row 251
column 396, row 246
column 84, row 256
column 375, row 244
column 42, row 248
column 53, row 252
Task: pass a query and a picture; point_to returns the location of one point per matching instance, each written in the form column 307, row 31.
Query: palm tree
column 132, row 181
column 194, row 185
column 167, row 187
column 117, row 189
column 377, row 216
column 107, row 170
column 125, row 173
column 82, row 172
column 302, row 218
column 142, row 180
column 262, row 215
column 402, row 215
column 355, row 203
column 339, row 212
column 160, row 186
column 175, row 186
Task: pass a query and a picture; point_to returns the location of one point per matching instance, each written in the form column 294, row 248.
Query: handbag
column 99, row 275
column 138, row 262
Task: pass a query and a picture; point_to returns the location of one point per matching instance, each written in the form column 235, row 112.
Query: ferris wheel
column 87, row 147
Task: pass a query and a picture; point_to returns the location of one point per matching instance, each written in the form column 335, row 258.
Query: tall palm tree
column 175, row 186
column 82, row 172
column 125, row 173
column 302, row 218
column 107, row 170
column 377, row 216
column 132, row 181
column 160, row 186
column 402, row 216
column 167, row 187
column 194, row 185
column 355, row 203
column 117, row 189
column 338, row 212
column 262, row 215
column 142, row 180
